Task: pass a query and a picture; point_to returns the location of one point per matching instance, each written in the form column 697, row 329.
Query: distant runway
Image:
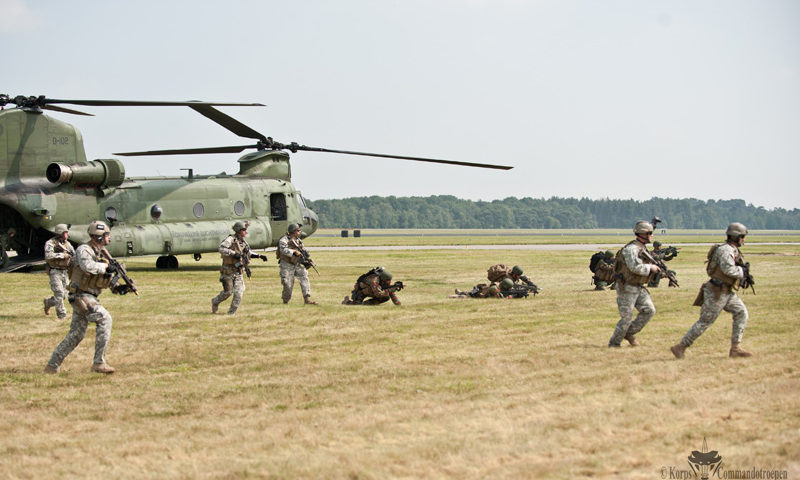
column 560, row 246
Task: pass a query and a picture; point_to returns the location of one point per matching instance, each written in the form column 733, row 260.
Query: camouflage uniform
column 719, row 298
column 370, row 291
column 290, row 267
column 498, row 273
column 231, row 275
column 631, row 293
column 603, row 273
column 86, row 306
column 58, row 256
column 480, row 290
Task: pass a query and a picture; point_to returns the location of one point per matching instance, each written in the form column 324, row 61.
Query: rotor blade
column 140, row 103
column 403, row 157
column 188, row 151
column 67, row 110
column 228, row 122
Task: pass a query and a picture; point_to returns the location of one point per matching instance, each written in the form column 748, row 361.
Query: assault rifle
column 395, row 287
column 528, row 285
column 306, row 260
column 669, row 253
column 673, row 281
column 518, row 291
column 747, row 280
column 118, row 272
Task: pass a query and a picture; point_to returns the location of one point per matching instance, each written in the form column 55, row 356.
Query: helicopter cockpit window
column 198, row 210
column 111, row 215
column 238, row 208
column 277, row 205
column 302, row 201
column 156, row 211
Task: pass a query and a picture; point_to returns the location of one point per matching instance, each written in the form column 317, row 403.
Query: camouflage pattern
column 717, row 299
column 631, row 296
column 714, row 302
column 59, row 277
column 290, row 268
column 481, row 290
column 604, row 274
column 232, row 277
column 371, row 291
column 88, row 260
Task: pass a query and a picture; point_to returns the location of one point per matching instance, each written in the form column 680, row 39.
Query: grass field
column 435, row 388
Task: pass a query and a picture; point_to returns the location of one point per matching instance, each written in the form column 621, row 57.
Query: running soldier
column 632, row 268
column 727, row 271
column 91, row 274
column 58, row 255
column 290, row 255
column 236, row 255
column 373, row 288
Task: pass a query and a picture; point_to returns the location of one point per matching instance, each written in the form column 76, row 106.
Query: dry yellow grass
column 436, row 388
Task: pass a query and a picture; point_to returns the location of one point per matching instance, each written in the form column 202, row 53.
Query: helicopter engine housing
column 97, row 173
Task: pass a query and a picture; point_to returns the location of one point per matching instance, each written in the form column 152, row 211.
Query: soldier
column 236, row 257
column 58, row 253
column 497, row 273
column 290, row 259
column 602, row 265
column 374, row 288
column 728, row 272
column 91, row 274
column 632, row 268
column 665, row 254
column 481, row 290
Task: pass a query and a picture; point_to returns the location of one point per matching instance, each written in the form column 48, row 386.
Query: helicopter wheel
column 197, row 257
column 167, row 262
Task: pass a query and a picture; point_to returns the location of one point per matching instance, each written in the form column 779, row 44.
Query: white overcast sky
column 583, row 97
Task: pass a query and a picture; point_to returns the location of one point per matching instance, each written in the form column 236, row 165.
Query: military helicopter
column 46, row 180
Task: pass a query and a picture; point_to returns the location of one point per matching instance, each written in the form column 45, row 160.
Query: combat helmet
column 608, row 255
column 384, row 275
column 240, row 225
column 643, row 227
column 61, row 228
column 506, row 284
column 517, row 270
column 98, row 228
column 656, row 244
column 294, row 227
column 736, row 230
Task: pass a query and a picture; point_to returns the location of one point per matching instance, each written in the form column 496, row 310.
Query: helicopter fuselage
column 45, row 180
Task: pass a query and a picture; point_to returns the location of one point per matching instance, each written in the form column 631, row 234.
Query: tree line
column 446, row 211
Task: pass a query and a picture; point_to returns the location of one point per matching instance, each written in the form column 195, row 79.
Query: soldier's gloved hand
column 111, row 270
column 237, row 256
column 263, row 258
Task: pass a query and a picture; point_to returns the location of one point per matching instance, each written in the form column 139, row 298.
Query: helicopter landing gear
column 197, row 257
column 167, row 262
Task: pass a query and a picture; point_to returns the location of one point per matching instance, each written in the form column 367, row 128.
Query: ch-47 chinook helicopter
column 46, row 180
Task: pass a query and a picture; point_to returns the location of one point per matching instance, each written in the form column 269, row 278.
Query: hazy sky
column 583, row 97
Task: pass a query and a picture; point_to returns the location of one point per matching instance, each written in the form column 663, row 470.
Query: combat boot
column 736, row 351
column 346, row 300
column 50, row 369
column 102, row 368
column 46, row 307
column 632, row 340
column 214, row 306
column 678, row 350
column 307, row 300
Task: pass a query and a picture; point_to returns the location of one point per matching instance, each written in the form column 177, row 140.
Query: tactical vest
column 89, row 282
column 293, row 243
column 621, row 270
column 604, row 271
column 239, row 246
column 714, row 271
column 60, row 263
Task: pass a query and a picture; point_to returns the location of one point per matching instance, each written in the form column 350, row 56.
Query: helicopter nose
column 310, row 221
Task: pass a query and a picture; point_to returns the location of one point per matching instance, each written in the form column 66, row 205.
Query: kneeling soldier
column 236, row 257
column 91, row 274
column 374, row 288
column 58, row 254
column 728, row 271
